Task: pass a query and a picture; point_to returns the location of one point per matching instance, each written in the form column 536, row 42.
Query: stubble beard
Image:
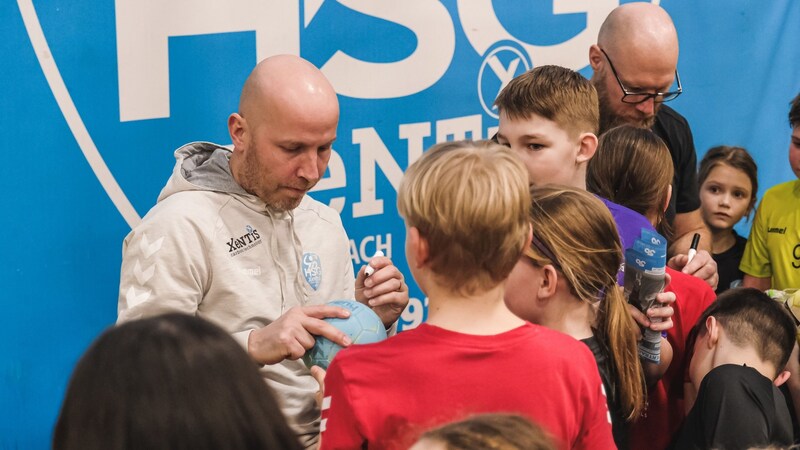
column 608, row 117
column 251, row 179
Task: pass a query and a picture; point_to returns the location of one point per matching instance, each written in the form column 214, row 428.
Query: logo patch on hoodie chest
column 312, row 269
column 243, row 243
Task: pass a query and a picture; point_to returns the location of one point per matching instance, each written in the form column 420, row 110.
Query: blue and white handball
column 363, row 326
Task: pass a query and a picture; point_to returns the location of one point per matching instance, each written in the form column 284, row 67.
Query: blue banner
column 98, row 94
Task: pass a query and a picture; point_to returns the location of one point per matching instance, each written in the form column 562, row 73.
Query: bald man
column 634, row 63
column 235, row 239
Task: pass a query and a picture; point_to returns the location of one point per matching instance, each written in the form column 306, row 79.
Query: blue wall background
column 62, row 234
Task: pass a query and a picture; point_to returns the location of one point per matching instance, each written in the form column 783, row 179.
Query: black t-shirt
column 728, row 265
column 619, row 427
column 674, row 130
column 736, row 408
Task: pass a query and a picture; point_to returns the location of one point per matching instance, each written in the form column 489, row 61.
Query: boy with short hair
column 550, row 116
column 772, row 255
column 466, row 207
column 743, row 341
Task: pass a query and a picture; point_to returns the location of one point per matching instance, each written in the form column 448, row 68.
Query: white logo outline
column 492, row 61
column 71, row 115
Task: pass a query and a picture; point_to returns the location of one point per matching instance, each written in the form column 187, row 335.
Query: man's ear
column 418, row 246
column 595, row 57
column 238, row 130
column 588, row 147
column 549, row 285
column 781, row 378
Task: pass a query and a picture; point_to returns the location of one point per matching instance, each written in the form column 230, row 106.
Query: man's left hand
column 384, row 291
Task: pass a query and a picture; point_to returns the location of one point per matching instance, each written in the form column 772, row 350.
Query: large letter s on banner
column 429, row 20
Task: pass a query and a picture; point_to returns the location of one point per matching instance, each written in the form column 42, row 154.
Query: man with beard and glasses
column 234, row 238
column 635, row 72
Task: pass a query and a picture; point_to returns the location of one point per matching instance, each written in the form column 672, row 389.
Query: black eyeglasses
column 639, row 97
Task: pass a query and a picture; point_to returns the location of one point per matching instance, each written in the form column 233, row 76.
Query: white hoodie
column 210, row 249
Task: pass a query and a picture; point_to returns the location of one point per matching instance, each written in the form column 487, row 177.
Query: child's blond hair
column 469, row 201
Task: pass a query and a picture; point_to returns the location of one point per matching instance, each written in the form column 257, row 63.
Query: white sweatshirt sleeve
column 165, row 266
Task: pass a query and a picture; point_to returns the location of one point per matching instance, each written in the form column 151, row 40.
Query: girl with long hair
column 567, row 280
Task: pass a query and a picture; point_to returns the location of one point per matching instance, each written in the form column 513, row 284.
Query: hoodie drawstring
column 300, row 289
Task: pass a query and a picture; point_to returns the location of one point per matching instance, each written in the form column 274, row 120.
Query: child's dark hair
column 495, row 431
column 556, row 93
column 794, row 112
column 750, row 318
column 736, row 157
column 169, row 382
column 633, row 168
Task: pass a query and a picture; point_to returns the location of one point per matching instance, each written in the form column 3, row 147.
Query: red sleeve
column 596, row 427
column 706, row 299
column 339, row 428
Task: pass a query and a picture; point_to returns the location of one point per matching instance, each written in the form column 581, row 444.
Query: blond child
column 465, row 207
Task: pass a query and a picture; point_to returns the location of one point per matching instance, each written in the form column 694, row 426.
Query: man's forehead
column 642, row 65
column 304, row 141
column 646, row 78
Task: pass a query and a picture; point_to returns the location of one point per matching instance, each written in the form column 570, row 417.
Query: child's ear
column 781, row 378
column 549, row 285
column 418, row 246
column 713, row 331
column 588, row 147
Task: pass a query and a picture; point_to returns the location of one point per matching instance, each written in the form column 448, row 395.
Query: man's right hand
column 293, row 333
column 702, row 266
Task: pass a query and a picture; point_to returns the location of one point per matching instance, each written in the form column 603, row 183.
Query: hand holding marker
column 693, row 247
column 370, row 270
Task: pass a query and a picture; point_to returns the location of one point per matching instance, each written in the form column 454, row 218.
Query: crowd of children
column 518, row 244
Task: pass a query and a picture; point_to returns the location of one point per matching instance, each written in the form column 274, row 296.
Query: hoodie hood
column 203, row 166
